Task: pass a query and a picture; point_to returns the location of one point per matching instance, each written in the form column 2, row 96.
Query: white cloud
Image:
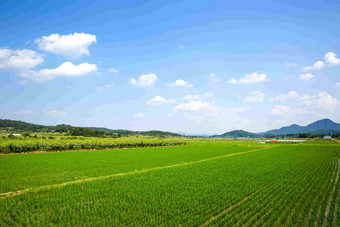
column 73, row 45
column 322, row 100
column 146, row 80
column 337, row 84
column 317, row 65
column 19, row 60
column 138, row 116
column 214, row 79
column 181, row 83
column 279, row 110
column 306, row 76
column 104, row 87
column 192, row 106
column 249, row 79
column 198, row 97
column 67, row 69
column 256, row 96
column 158, row 100
column 284, row 97
column 192, row 97
column 56, row 113
column 290, row 65
column 113, row 70
column 332, row 59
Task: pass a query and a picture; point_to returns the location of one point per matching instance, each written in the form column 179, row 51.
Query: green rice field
column 203, row 183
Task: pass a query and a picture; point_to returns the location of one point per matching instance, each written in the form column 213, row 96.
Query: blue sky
column 181, row 66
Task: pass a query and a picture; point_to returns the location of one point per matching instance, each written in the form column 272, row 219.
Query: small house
column 327, row 137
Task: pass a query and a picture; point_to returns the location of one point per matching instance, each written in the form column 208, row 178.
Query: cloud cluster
column 284, row 97
column 321, row 100
column 330, row 58
column 67, row 69
column 306, row 76
column 19, row 60
column 279, row 110
column 73, row 45
column 249, row 79
column 317, row 65
column 255, row 96
column 180, row 83
column 145, row 80
column 192, row 106
column 23, row 62
column 158, row 100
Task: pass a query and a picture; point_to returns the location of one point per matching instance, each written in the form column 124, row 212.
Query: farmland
column 202, row 183
column 62, row 143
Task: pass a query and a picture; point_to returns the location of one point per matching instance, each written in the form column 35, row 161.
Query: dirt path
column 14, row 193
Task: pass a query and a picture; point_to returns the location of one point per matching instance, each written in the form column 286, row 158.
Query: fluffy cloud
column 158, row 100
column 249, row 79
column 146, row 80
column 256, row 96
column 322, row 100
column 332, row 59
column 67, row 69
column 284, row 97
column 19, row 60
column 56, row 113
column 73, row 45
column 181, row 83
column 113, row 70
column 317, row 65
column 192, row 106
column 337, row 84
column 306, row 76
column 279, row 110
column 138, row 116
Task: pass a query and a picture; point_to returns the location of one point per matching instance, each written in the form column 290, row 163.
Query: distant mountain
column 20, row 126
column 195, row 134
column 237, row 133
column 324, row 126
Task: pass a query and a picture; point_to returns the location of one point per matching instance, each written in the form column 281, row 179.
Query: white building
column 14, row 134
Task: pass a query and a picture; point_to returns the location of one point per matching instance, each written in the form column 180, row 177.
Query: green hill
column 238, row 133
column 20, row 126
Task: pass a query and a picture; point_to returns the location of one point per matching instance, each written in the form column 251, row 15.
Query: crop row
column 286, row 185
column 290, row 202
column 62, row 147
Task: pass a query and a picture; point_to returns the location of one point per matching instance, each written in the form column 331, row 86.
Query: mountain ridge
column 326, row 125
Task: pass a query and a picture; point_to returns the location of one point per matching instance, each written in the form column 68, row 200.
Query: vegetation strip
column 9, row 194
column 331, row 195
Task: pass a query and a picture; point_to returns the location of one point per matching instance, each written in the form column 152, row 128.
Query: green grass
column 21, row 171
column 284, row 184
